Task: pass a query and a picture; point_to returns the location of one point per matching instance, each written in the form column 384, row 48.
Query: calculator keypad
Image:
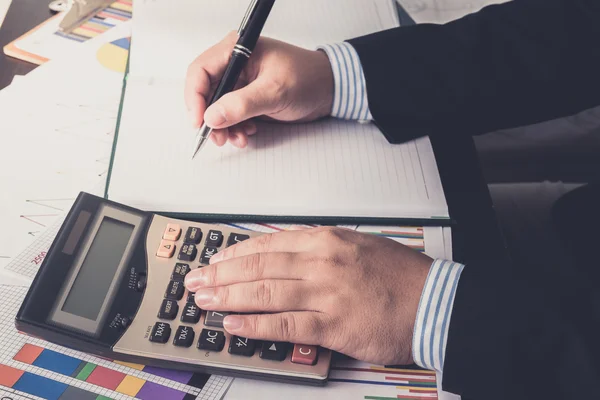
column 211, row 340
column 181, row 323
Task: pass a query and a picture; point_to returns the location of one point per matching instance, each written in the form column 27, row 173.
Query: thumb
column 242, row 104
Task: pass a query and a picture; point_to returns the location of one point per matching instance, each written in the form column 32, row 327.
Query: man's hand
column 280, row 81
column 354, row 293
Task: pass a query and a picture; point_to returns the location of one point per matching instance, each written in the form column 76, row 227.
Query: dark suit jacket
column 531, row 333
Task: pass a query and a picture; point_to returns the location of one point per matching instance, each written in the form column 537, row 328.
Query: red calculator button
column 172, row 232
column 304, row 354
column 166, row 249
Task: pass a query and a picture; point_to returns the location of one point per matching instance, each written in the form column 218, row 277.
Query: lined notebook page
column 168, row 35
column 325, row 168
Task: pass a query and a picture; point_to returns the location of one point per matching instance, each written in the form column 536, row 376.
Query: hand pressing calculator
column 112, row 284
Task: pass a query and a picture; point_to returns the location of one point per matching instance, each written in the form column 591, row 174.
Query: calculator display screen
column 97, row 272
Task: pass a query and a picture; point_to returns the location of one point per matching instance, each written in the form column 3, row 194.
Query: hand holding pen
column 279, row 81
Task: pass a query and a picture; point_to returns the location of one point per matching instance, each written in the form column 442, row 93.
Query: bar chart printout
column 31, row 368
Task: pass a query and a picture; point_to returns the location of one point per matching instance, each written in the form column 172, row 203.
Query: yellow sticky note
column 130, row 385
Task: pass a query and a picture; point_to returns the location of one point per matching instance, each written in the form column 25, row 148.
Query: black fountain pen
column 248, row 34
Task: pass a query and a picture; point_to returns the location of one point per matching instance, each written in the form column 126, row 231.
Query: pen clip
column 249, row 13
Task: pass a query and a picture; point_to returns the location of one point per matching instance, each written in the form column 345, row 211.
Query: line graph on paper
column 72, row 154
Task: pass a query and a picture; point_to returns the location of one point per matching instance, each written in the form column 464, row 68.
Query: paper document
column 164, row 48
column 328, row 168
column 4, row 5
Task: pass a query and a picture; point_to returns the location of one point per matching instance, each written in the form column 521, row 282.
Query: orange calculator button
column 166, row 249
column 304, row 354
column 172, row 232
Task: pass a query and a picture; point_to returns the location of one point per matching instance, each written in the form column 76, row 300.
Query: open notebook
column 326, row 169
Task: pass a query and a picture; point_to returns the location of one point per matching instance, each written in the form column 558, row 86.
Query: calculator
column 112, row 284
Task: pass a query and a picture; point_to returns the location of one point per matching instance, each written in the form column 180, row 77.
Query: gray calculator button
column 215, row 318
column 184, row 336
column 207, row 253
column 160, row 333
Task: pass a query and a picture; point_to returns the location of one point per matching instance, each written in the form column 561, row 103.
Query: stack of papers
column 58, row 125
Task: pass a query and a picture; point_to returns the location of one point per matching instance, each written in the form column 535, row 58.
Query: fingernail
column 195, row 280
column 204, row 296
column 232, row 323
column 216, row 258
column 215, row 116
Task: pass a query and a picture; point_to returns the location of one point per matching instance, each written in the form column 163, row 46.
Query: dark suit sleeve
column 508, row 65
column 530, row 333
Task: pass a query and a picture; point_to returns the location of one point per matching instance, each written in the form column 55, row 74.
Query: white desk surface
column 441, row 11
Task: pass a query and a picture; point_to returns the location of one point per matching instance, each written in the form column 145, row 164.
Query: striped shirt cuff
column 433, row 316
column 350, row 99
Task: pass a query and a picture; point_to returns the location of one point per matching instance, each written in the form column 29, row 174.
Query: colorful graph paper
column 34, row 368
column 117, row 12
column 385, row 383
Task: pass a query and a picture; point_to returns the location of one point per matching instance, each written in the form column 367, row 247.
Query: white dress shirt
column 435, row 306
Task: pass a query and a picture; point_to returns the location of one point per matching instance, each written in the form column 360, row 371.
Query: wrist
column 434, row 311
column 350, row 100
